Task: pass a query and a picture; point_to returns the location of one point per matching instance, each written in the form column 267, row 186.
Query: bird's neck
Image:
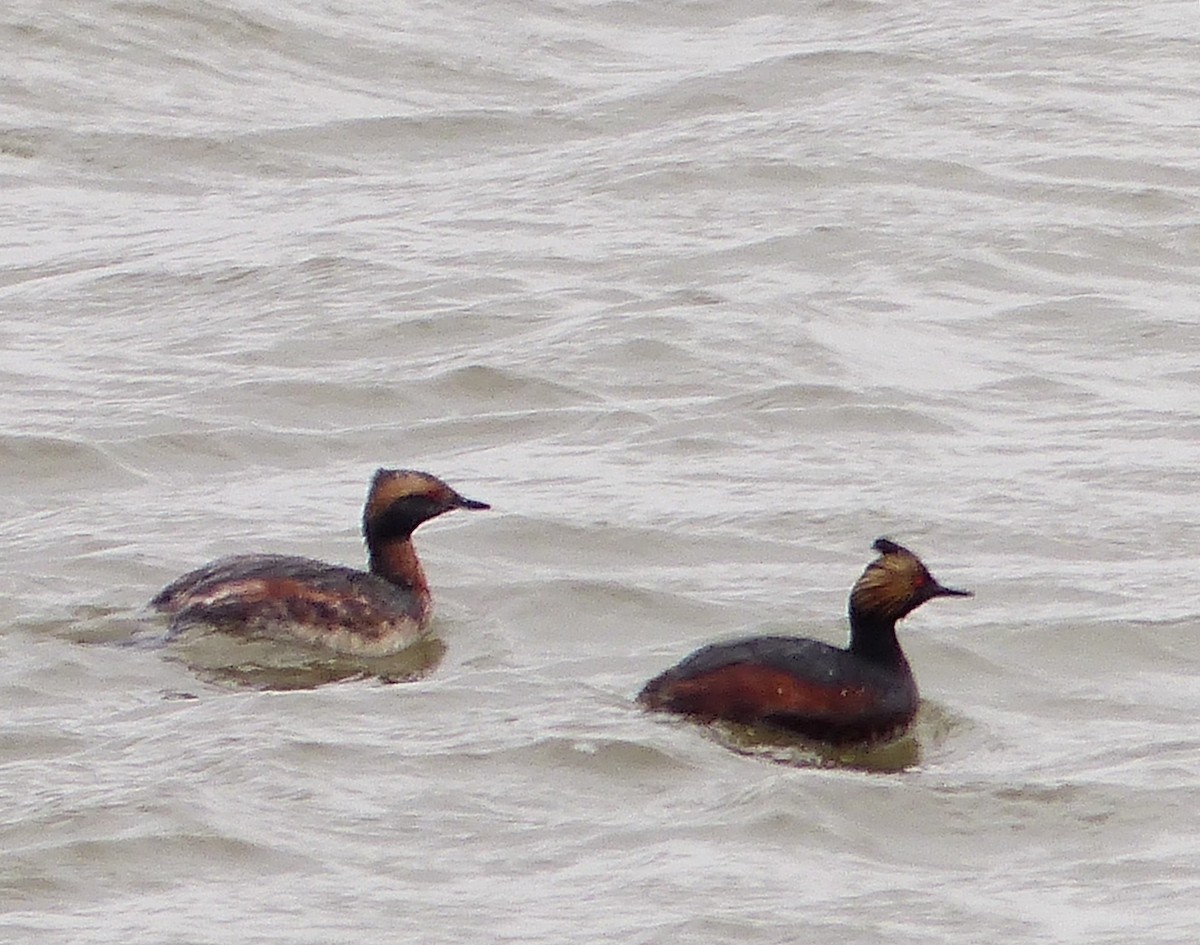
column 396, row 560
column 874, row 638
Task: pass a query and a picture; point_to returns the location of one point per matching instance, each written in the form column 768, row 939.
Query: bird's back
column 802, row 685
column 300, row 598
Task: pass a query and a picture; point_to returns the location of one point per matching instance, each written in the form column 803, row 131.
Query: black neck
column 874, row 638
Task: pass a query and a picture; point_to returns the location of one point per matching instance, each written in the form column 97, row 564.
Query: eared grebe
column 865, row 692
column 350, row 611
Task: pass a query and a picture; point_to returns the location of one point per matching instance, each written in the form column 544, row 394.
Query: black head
column 401, row 499
column 895, row 584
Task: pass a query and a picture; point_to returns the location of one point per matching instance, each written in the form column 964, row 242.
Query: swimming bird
column 865, row 692
column 362, row 613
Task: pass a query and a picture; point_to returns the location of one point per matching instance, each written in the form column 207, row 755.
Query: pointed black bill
column 940, row 590
column 461, row 502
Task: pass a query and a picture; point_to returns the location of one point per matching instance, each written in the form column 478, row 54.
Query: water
column 702, row 298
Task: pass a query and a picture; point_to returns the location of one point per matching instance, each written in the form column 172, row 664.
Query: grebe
column 865, row 692
column 350, row 611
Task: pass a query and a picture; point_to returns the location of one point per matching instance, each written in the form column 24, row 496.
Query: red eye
column 920, row 580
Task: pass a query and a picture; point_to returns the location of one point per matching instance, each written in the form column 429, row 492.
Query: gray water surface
column 702, row 298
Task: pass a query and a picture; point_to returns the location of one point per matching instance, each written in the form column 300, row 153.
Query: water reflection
column 932, row 727
column 248, row 662
column 268, row 664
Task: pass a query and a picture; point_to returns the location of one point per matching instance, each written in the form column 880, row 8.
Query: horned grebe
column 865, row 692
column 350, row 611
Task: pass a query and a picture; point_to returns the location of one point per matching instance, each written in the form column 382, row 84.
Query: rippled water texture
column 702, row 298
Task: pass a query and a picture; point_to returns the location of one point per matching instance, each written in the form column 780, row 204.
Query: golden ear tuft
column 391, row 485
column 888, row 584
